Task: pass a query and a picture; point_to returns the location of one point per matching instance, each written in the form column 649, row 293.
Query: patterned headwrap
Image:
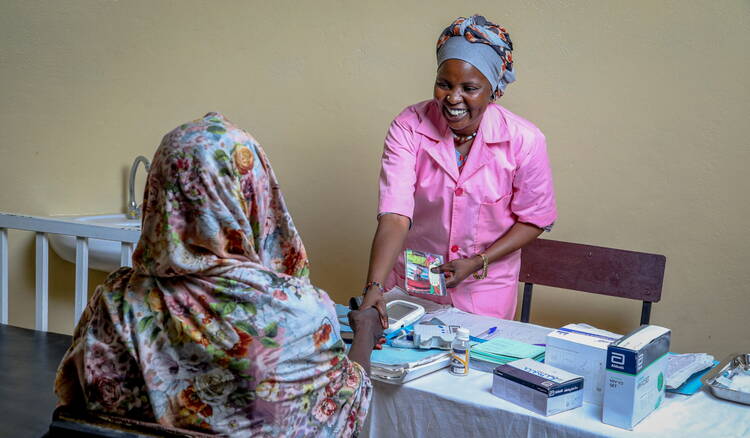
column 491, row 56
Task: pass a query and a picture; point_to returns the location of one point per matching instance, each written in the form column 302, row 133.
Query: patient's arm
column 386, row 246
column 367, row 331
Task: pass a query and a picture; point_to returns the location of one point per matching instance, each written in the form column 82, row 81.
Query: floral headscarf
column 216, row 327
column 210, row 203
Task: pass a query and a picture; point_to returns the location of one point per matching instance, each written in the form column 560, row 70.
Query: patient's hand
column 366, row 326
column 367, row 335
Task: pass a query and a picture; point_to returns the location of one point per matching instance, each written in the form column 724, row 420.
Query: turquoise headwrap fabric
column 482, row 44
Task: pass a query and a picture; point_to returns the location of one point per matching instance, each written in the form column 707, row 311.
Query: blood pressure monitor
column 402, row 313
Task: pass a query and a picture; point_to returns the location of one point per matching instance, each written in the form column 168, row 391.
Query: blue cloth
column 482, row 44
column 480, row 56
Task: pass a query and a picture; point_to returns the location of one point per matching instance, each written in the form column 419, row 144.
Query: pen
column 488, row 332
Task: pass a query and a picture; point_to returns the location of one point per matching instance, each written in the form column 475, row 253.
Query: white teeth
column 456, row 112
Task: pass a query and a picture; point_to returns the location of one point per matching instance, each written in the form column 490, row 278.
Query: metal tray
column 733, row 364
column 402, row 373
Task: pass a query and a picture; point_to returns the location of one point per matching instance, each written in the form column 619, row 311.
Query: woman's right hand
column 374, row 298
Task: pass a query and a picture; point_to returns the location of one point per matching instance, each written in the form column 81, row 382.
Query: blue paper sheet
column 341, row 315
column 396, row 356
column 341, row 311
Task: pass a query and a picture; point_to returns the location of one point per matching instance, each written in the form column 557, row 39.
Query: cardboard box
column 581, row 350
column 538, row 387
column 634, row 381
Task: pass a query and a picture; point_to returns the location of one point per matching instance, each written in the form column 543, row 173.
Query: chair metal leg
column 646, row 312
column 526, row 306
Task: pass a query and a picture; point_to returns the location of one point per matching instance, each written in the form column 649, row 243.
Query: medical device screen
column 398, row 311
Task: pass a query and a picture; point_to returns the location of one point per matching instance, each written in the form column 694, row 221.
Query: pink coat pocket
column 495, row 219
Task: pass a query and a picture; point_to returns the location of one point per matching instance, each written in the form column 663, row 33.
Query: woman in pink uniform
column 463, row 177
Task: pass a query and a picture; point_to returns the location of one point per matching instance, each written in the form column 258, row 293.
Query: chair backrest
column 594, row 269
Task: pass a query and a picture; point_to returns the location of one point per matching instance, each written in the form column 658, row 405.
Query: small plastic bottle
column 460, row 353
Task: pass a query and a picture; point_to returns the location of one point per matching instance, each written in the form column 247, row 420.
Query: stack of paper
column 501, row 350
column 681, row 366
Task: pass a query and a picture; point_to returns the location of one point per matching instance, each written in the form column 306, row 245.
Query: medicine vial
column 460, row 353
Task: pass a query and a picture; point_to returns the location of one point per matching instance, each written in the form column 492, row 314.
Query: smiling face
column 463, row 94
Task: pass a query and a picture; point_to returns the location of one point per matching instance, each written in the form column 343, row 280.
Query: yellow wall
column 645, row 106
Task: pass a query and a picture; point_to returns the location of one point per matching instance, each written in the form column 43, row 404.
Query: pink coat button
column 454, row 248
column 459, row 191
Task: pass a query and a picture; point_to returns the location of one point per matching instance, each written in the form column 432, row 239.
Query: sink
column 104, row 255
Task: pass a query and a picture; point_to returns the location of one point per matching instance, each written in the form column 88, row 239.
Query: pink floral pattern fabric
column 216, row 328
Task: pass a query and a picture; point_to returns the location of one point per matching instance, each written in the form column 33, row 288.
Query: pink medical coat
column 506, row 178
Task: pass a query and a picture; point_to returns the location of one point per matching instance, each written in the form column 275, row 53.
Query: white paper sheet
column 681, row 366
column 478, row 325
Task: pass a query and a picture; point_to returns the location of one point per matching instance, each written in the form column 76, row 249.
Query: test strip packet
column 419, row 276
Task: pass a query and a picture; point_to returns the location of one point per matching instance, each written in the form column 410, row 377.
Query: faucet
column 133, row 211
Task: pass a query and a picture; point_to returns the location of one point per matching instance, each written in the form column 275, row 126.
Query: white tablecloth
column 443, row 405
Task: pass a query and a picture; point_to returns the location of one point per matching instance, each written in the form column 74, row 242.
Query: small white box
column 581, row 350
column 634, row 381
column 538, row 387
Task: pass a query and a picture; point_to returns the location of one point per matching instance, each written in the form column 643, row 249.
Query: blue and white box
column 538, row 387
column 634, row 381
column 581, row 349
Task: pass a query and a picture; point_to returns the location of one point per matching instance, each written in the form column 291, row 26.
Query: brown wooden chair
column 594, row 269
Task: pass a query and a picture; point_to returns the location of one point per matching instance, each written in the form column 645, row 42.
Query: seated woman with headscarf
column 216, row 327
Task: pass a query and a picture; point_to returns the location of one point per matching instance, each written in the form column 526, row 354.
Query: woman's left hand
column 457, row 270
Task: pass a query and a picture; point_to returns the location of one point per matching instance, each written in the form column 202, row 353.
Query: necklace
column 461, row 139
